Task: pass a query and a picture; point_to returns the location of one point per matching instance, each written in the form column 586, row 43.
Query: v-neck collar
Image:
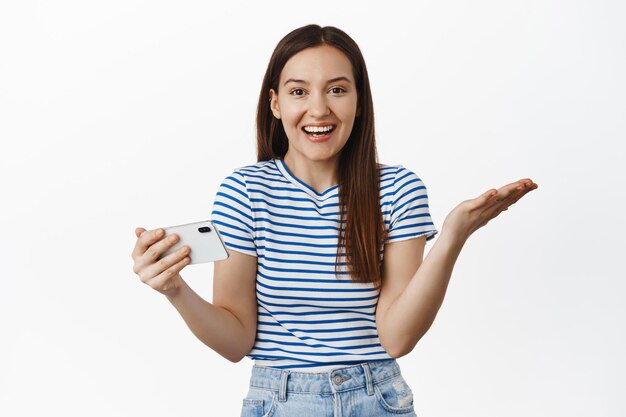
column 282, row 167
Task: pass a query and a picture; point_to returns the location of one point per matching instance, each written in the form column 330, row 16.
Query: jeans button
column 337, row 379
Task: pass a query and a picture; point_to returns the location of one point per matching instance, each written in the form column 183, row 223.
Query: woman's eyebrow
column 333, row 80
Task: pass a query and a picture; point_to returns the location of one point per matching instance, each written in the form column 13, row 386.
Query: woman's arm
column 409, row 300
column 227, row 326
column 412, row 290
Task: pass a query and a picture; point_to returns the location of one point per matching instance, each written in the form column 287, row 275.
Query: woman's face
column 317, row 103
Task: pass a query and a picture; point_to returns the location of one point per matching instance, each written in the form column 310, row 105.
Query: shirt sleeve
column 232, row 214
column 410, row 214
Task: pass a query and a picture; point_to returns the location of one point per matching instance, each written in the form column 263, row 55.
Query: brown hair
column 364, row 233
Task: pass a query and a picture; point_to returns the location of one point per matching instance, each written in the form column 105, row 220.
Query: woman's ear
column 274, row 104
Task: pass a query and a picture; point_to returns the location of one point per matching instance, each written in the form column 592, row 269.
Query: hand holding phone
column 153, row 246
column 202, row 238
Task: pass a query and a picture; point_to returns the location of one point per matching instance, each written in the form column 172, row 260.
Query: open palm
column 471, row 215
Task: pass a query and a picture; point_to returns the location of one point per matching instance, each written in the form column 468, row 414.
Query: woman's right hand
column 160, row 274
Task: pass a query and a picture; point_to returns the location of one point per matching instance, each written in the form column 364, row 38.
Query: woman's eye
column 297, row 92
column 337, row 90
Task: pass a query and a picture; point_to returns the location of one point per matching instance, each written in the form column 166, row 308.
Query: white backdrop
column 129, row 113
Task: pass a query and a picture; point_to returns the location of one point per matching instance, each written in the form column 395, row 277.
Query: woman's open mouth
column 319, row 133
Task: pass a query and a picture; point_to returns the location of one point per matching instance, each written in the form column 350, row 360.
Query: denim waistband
column 340, row 379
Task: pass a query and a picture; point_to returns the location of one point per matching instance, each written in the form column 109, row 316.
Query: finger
column 497, row 195
column 483, row 199
column 146, row 239
column 506, row 191
column 504, row 203
column 138, row 232
column 523, row 181
column 157, row 249
column 526, row 185
column 488, row 195
column 157, row 267
column 493, row 203
column 162, row 282
column 512, row 190
column 520, row 190
column 496, row 205
column 144, row 264
column 510, row 199
column 515, row 198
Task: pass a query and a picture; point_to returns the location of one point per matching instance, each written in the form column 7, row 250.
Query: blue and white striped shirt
column 309, row 317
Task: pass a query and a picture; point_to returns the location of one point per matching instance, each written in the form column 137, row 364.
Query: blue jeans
column 369, row 389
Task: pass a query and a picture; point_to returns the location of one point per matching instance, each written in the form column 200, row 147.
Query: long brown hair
column 362, row 231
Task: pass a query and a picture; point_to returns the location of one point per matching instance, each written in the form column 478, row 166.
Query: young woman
column 326, row 283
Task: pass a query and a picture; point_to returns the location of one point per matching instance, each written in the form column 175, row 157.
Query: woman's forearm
column 410, row 316
column 216, row 327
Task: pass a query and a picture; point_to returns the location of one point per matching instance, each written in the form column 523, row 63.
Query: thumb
column 139, row 231
column 489, row 194
column 485, row 198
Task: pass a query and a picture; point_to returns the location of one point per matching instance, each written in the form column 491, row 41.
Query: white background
column 130, row 113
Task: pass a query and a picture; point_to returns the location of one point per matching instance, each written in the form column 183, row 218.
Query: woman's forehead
column 322, row 63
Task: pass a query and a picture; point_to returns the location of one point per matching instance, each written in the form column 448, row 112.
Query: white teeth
column 317, row 129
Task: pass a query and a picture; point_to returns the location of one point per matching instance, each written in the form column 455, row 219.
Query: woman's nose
column 318, row 106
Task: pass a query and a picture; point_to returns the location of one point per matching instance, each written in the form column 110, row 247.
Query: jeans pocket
column 395, row 395
column 258, row 403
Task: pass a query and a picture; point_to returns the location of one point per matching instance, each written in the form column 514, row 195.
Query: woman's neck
column 319, row 175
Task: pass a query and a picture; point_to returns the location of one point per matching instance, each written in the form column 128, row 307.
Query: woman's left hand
column 473, row 214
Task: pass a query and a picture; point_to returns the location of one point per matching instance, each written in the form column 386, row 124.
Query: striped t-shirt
column 309, row 317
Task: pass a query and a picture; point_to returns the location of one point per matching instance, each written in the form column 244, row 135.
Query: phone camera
column 204, row 229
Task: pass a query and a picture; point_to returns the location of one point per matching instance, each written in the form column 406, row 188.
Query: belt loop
column 368, row 378
column 282, row 392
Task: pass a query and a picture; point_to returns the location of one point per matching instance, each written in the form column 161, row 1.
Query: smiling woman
column 317, row 79
column 316, row 101
column 326, row 283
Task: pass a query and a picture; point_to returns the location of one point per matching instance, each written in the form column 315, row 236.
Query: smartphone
column 203, row 239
